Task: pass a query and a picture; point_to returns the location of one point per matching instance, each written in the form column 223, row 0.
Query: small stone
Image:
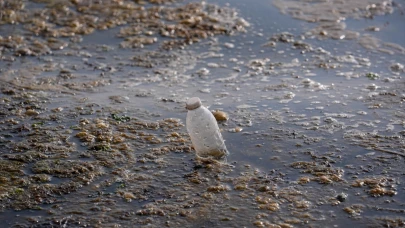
column 31, row 112
column 59, row 109
column 213, row 65
column 323, row 33
column 304, row 180
column 102, row 125
column 373, row 29
column 289, row 95
column 235, row 130
column 207, row 90
column 229, row 45
column 342, row 197
column 203, row 72
column 397, row 67
column 217, row 188
column 23, row 52
column 264, row 188
column 129, row 196
column 220, row 115
column 270, row 44
column 372, row 87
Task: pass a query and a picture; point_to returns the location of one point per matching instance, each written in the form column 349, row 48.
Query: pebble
column 235, row 130
column 31, row 112
column 220, row 115
column 229, row 45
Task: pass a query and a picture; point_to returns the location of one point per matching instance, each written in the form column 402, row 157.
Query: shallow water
column 321, row 119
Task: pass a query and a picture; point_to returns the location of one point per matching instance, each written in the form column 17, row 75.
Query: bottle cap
column 193, row 103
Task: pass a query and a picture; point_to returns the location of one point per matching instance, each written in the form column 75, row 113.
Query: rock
column 220, row 115
column 31, row 112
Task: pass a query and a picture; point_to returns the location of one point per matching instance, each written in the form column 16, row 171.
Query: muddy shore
column 92, row 113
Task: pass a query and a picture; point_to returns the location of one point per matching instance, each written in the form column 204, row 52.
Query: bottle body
column 204, row 132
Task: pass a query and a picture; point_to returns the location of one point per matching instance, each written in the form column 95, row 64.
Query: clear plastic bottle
column 204, row 131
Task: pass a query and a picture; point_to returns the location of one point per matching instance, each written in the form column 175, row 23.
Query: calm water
column 313, row 105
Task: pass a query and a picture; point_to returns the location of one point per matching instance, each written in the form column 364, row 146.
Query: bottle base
column 215, row 153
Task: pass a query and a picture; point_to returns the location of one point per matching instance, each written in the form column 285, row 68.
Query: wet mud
column 309, row 96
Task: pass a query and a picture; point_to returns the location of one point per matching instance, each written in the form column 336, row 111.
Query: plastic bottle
column 204, row 131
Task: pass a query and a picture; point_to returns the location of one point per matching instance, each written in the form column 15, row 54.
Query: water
column 301, row 145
